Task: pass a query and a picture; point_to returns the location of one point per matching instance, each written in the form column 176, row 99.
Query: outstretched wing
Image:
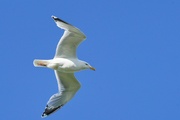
column 70, row 40
column 68, row 86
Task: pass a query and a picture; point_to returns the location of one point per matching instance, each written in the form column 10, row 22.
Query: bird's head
column 88, row 66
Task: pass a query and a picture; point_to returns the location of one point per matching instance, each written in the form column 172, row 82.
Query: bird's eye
column 86, row 64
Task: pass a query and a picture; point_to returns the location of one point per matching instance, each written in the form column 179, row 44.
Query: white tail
column 40, row 63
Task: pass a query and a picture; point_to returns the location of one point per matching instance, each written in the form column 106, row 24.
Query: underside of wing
column 68, row 86
column 67, row 81
column 70, row 40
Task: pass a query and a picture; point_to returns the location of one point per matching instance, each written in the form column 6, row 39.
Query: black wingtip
column 43, row 115
column 57, row 19
column 49, row 111
column 54, row 17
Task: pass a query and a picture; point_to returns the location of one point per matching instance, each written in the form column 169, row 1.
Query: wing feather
column 68, row 86
column 70, row 40
column 66, row 81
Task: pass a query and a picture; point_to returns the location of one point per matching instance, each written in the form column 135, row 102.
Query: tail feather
column 40, row 63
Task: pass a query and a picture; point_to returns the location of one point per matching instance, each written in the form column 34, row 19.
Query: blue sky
column 134, row 46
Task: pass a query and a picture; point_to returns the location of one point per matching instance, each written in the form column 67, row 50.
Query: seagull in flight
column 64, row 64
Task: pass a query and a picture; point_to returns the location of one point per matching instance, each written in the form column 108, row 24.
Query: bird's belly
column 66, row 65
column 67, row 69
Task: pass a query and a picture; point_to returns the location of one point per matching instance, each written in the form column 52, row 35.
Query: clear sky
column 133, row 44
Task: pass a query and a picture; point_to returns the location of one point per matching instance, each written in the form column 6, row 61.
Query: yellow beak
column 92, row 68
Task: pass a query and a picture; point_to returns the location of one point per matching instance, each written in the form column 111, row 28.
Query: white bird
column 64, row 63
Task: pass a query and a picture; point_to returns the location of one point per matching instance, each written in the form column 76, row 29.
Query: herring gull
column 64, row 64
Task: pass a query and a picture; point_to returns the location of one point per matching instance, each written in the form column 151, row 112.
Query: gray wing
column 68, row 86
column 70, row 40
